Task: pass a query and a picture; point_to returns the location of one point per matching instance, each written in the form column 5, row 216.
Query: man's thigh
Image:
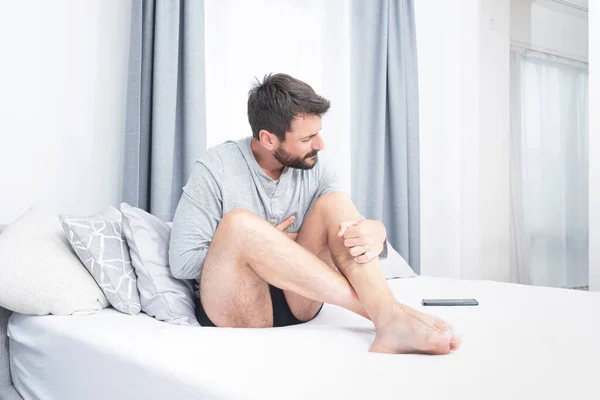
column 231, row 293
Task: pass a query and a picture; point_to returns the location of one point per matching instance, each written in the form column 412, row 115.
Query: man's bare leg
column 247, row 252
column 314, row 237
column 392, row 320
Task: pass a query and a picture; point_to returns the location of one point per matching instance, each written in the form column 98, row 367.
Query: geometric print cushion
column 99, row 243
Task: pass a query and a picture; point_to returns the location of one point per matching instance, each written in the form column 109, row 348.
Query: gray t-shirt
column 228, row 177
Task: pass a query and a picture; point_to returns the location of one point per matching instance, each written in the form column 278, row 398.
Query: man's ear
column 268, row 140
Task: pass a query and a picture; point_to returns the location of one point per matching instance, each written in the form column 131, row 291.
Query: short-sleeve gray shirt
column 228, row 177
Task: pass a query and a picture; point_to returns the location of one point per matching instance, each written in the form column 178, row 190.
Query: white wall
column 439, row 131
column 494, row 128
column 594, row 143
column 62, row 104
column 463, row 70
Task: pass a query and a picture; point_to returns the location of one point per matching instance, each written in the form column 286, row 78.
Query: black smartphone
column 449, row 302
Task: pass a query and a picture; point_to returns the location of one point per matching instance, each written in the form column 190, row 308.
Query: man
column 265, row 228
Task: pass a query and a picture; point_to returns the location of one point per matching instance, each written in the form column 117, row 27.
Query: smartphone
column 449, row 302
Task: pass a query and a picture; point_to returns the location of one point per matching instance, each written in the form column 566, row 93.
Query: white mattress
column 521, row 342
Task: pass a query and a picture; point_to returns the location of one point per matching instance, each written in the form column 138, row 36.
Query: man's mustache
column 312, row 154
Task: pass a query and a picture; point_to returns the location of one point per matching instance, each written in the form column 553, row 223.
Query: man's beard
column 288, row 160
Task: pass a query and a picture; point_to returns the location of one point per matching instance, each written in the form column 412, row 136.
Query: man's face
column 302, row 143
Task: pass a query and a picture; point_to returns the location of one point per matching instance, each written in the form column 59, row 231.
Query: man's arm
column 195, row 223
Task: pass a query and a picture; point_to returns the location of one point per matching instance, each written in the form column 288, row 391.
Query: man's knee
column 233, row 226
column 330, row 200
column 237, row 219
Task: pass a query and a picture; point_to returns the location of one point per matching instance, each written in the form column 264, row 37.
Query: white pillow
column 163, row 296
column 394, row 266
column 39, row 273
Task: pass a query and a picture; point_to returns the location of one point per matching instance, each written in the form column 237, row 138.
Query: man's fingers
column 353, row 231
column 358, row 241
column 357, row 251
column 292, row 235
column 286, row 223
column 344, row 226
column 365, row 258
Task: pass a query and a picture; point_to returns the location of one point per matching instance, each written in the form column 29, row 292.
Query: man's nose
column 320, row 143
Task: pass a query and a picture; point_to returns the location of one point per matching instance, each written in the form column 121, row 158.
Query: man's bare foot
column 435, row 323
column 406, row 330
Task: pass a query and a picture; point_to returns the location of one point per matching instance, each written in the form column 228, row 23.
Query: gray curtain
column 385, row 132
column 166, row 118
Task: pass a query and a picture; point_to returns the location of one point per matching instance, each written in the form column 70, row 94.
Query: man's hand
column 286, row 224
column 363, row 239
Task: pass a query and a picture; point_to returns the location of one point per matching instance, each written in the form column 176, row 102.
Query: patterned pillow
column 100, row 245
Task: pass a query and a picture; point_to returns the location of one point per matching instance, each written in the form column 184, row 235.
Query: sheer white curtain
column 549, row 170
column 308, row 39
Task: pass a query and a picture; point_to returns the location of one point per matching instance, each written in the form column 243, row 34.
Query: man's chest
column 272, row 200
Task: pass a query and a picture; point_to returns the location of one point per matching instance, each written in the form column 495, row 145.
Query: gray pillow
column 162, row 296
column 99, row 244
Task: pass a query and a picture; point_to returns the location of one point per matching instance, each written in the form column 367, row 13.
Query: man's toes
column 449, row 340
column 439, row 342
column 455, row 340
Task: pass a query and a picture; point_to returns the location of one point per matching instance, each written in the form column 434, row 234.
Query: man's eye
column 305, row 140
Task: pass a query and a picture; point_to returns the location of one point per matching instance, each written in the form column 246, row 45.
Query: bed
column 520, row 342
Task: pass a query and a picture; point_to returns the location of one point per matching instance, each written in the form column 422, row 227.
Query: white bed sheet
column 521, row 343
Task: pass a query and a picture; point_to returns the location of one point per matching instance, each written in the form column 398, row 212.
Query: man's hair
column 274, row 103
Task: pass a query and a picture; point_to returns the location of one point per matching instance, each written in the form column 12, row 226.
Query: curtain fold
column 384, row 127
column 166, row 120
column 520, row 259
